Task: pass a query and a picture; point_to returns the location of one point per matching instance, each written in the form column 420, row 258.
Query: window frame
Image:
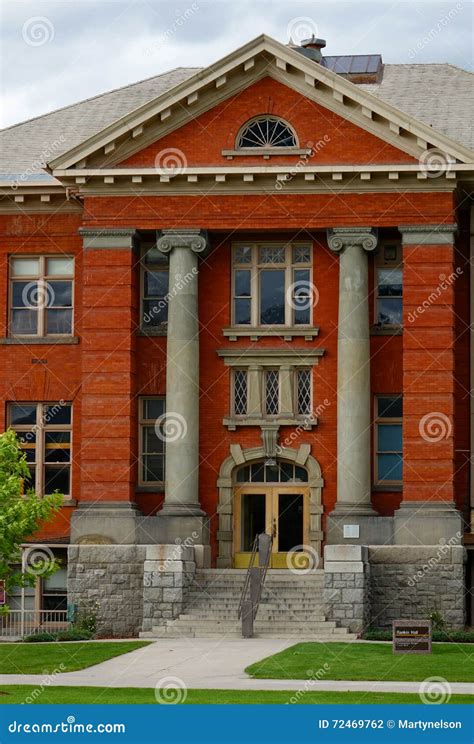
column 296, row 374
column 234, row 371
column 142, row 422
column 42, row 279
column 386, row 421
column 40, row 430
column 384, row 263
column 265, row 147
column 255, row 266
column 161, row 265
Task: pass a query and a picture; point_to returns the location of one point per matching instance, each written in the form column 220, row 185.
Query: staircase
column 291, row 606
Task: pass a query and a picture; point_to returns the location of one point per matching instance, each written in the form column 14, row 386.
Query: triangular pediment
column 262, row 57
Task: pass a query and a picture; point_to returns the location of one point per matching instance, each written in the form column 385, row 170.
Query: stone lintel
column 428, row 234
column 112, row 238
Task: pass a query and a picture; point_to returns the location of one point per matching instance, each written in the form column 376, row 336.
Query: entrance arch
column 239, row 457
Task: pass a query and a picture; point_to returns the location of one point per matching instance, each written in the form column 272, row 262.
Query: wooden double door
column 282, row 511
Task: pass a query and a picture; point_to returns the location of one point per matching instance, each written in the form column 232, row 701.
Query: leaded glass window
column 272, row 392
column 240, row 392
column 266, row 132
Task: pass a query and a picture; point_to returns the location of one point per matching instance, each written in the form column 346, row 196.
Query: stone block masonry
column 347, row 586
column 168, row 573
column 408, row 582
column 112, row 576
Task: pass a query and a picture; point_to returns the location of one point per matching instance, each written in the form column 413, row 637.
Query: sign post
column 412, row 636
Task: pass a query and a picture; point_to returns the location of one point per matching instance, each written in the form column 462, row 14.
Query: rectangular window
column 152, row 440
column 388, row 440
column 303, row 392
column 272, row 284
column 240, row 392
column 41, row 295
column 54, row 588
column 389, row 286
column 45, row 431
column 154, row 290
column 272, row 392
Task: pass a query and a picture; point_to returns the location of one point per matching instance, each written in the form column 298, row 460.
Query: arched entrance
column 281, row 497
column 272, row 497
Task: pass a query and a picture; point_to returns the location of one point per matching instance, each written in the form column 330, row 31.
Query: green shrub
column 40, row 638
column 74, row 634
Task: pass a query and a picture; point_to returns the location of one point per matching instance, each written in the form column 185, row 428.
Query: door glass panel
column 290, row 521
column 253, row 519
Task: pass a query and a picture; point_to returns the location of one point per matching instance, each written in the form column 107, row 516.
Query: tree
column 21, row 513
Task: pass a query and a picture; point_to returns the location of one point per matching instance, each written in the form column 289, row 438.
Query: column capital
column 428, row 234
column 193, row 238
column 344, row 237
column 115, row 237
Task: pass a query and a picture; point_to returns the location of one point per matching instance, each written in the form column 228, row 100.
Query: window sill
column 152, row 488
column 386, row 488
column 304, row 423
column 265, row 152
column 386, row 330
column 256, row 333
column 152, row 332
column 68, row 501
column 38, row 340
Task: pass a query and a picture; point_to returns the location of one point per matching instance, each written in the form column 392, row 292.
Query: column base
column 368, row 527
column 427, row 523
column 108, row 522
column 166, row 529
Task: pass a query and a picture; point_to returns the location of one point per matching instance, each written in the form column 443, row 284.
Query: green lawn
column 46, row 658
column 124, row 696
column 366, row 661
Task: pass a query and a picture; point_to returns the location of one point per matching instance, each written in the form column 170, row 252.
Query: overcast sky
column 56, row 52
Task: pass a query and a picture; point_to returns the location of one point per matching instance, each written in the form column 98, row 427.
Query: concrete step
column 193, row 614
column 261, row 626
column 167, row 632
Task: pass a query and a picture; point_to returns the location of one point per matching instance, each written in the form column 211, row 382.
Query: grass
column 46, row 658
column 366, row 661
column 10, row 694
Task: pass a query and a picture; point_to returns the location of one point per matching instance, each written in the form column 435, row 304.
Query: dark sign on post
column 412, row 636
column 3, row 595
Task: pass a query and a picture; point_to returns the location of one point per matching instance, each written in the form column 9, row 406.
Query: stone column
column 353, row 386
column 181, row 427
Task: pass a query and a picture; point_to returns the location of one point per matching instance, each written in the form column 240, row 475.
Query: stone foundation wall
column 168, row 572
column 408, row 582
column 347, row 586
column 112, row 576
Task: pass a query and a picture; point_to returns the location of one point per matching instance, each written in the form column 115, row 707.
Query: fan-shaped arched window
column 271, row 472
column 265, row 132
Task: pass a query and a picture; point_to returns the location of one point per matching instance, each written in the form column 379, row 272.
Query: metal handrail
column 254, row 580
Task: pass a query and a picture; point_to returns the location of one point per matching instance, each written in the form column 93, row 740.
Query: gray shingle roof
column 440, row 95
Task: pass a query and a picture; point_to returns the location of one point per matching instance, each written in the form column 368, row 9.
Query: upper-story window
column 266, row 132
column 44, row 431
column 272, row 284
column 154, row 291
column 41, row 295
column 389, row 286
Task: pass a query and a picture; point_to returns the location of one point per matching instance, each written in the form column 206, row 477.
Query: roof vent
column 311, row 48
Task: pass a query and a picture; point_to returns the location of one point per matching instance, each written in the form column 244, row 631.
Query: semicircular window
column 265, row 132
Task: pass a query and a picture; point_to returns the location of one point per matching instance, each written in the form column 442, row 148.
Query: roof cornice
column 289, row 67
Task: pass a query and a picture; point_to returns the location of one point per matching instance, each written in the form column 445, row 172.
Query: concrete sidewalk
column 204, row 664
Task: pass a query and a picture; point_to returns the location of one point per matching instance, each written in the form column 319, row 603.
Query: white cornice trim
column 393, row 120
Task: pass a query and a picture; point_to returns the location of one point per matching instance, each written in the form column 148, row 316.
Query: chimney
column 311, row 48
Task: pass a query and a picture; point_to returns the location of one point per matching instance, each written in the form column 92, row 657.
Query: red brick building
column 237, row 300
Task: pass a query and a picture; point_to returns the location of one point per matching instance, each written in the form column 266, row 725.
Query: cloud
column 97, row 45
